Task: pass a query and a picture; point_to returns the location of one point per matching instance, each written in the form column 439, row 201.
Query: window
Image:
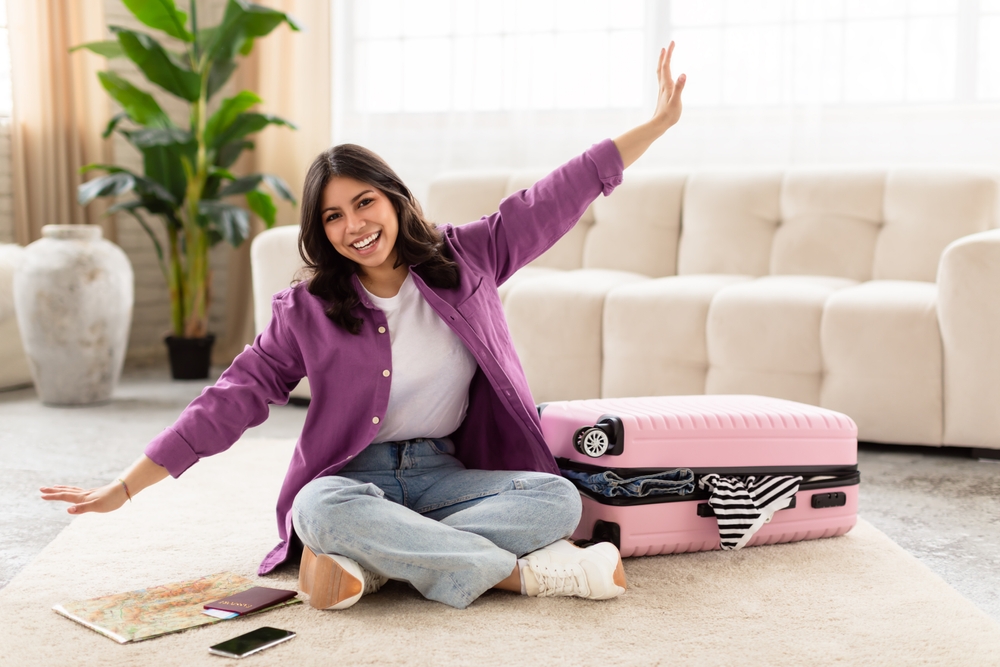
column 433, row 56
column 782, row 52
column 493, row 55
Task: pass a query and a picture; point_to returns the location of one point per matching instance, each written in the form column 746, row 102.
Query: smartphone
column 251, row 642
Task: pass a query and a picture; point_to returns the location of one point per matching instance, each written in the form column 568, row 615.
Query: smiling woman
column 350, row 194
column 422, row 458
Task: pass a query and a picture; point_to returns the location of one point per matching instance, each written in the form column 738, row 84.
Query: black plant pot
column 190, row 357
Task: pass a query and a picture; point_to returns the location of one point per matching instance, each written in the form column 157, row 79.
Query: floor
column 940, row 505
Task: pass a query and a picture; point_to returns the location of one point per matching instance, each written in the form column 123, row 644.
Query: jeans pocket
column 442, row 445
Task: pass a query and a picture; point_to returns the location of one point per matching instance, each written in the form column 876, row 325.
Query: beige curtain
column 291, row 72
column 59, row 112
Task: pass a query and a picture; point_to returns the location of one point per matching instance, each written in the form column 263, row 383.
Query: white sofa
column 14, row 370
column 872, row 292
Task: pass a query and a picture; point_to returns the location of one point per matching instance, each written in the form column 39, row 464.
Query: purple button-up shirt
column 350, row 395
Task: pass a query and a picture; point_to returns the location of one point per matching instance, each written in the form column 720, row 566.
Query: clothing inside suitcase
column 814, row 478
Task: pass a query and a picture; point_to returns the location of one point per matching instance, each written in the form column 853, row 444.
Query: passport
column 252, row 599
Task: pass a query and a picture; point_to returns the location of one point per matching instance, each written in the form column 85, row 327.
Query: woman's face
column 360, row 222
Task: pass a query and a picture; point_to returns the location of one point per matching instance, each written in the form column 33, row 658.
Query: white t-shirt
column 431, row 369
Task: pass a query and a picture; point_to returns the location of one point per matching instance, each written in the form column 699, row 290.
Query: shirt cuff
column 608, row 161
column 172, row 452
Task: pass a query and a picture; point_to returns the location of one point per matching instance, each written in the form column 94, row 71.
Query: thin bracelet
column 125, row 486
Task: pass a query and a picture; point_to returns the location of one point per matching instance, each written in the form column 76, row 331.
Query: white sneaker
column 335, row 582
column 564, row 569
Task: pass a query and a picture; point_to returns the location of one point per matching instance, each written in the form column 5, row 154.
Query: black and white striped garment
column 743, row 504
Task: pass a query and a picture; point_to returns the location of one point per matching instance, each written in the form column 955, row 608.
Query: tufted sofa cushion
column 829, row 224
column 873, row 292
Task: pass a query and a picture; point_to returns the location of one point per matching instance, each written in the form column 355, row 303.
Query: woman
column 421, row 458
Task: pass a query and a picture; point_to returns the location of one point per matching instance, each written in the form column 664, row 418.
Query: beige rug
column 853, row 600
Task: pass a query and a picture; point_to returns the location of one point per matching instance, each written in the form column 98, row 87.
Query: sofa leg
column 983, row 453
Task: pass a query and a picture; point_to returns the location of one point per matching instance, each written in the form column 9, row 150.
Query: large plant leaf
column 163, row 154
column 262, row 204
column 164, row 165
column 145, row 187
column 279, row 186
column 215, row 177
column 229, row 153
column 113, row 123
column 228, row 111
column 218, row 74
column 248, row 183
column 156, row 63
column 107, row 48
column 161, row 15
column 110, row 185
column 247, row 123
column 241, row 185
column 140, row 106
column 168, row 136
column 231, row 222
column 243, row 21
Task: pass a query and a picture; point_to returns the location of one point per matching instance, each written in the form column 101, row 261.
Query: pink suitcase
column 729, row 435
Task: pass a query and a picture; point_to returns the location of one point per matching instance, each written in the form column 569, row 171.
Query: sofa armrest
column 274, row 261
column 969, row 313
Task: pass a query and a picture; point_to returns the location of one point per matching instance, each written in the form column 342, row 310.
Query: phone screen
column 251, row 642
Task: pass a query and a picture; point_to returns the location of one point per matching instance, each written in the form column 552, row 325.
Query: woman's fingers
column 69, row 495
column 666, row 61
column 60, row 489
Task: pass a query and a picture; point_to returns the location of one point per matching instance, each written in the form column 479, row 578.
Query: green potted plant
column 186, row 180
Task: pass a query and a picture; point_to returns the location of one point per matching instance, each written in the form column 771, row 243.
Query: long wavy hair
column 417, row 243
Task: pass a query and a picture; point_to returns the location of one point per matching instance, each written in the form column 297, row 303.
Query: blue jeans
column 609, row 484
column 411, row 511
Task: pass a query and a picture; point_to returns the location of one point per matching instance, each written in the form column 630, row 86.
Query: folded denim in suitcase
column 727, row 435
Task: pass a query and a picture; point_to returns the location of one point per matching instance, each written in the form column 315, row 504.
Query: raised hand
column 634, row 143
column 668, row 99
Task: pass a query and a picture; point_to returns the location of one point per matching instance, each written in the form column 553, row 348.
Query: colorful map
column 159, row 610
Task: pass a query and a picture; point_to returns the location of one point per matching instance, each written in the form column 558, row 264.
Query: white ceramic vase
column 73, row 294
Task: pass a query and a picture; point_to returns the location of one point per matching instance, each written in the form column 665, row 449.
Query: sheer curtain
column 479, row 84
column 290, row 71
column 58, row 114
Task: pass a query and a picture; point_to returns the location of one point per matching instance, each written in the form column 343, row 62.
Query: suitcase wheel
column 592, row 441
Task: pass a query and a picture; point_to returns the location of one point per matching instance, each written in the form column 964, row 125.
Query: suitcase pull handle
column 603, row 438
column 835, row 499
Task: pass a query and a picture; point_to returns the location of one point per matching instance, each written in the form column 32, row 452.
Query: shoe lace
column 560, row 580
column 372, row 581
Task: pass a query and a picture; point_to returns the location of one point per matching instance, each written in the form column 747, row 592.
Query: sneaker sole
column 325, row 582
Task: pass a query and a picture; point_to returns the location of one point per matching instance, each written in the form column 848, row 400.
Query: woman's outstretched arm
column 634, row 143
column 111, row 496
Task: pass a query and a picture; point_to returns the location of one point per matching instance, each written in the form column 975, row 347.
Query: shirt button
column 385, row 373
column 374, row 420
column 381, row 329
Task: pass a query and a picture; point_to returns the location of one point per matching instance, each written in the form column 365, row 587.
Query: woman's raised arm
column 144, row 472
column 634, row 143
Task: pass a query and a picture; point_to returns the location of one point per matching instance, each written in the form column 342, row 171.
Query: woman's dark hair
column 418, row 241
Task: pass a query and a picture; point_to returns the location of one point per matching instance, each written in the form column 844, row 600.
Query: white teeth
column 365, row 242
